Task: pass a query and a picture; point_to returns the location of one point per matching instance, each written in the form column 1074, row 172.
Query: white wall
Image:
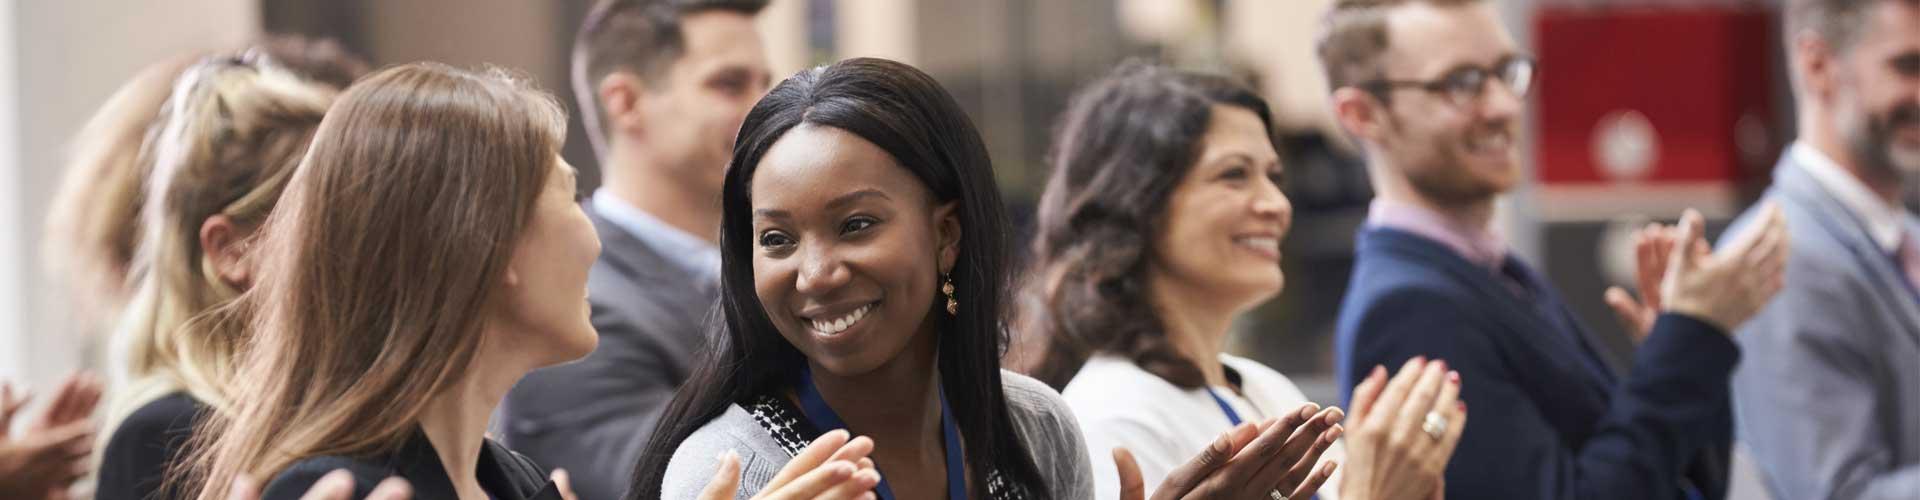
column 58, row 60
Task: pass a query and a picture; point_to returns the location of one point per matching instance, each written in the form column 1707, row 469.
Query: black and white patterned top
column 791, row 428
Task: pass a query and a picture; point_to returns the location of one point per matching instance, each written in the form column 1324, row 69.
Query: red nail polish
column 1453, row 377
column 1463, row 406
column 1419, row 359
column 1442, row 362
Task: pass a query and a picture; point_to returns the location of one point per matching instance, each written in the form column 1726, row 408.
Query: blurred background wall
column 1619, row 151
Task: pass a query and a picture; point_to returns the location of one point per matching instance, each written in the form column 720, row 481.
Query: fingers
column 1315, row 446
column 8, row 407
column 726, row 480
column 1265, row 462
column 336, row 485
column 1315, row 481
column 1456, row 415
column 244, row 488
column 563, row 482
column 1366, row 392
column 1189, row 475
column 810, row 458
column 1275, row 432
column 395, row 488
column 65, row 443
column 1132, row 487
column 1454, row 411
column 814, row 482
column 1395, row 393
column 1771, row 242
column 1421, row 400
column 860, row 485
column 1629, row 311
column 854, row 451
column 1684, row 245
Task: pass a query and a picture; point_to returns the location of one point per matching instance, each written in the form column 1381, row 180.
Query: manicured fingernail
column 1419, row 359
column 1378, row 371
column 1442, row 363
column 1453, row 377
column 1463, row 406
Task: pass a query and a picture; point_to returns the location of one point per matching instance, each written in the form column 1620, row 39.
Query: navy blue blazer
column 1547, row 417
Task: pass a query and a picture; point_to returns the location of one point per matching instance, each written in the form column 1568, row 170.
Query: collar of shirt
column 1884, row 221
column 1480, row 245
column 685, row 250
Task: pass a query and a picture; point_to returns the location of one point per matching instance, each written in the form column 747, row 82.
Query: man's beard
column 1870, row 139
column 1445, row 174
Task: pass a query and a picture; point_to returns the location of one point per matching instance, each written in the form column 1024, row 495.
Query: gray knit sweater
column 1045, row 424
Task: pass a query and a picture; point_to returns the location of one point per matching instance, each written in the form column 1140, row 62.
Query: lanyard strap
column 1233, row 417
column 817, row 409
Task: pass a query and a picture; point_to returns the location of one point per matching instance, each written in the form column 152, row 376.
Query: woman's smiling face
column 848, row 249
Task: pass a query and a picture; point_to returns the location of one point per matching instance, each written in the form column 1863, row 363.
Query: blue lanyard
column 1233, row 417
column 817, row 409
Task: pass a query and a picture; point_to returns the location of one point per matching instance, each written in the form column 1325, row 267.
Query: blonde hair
column 93, row 225
column 392, row 236
column 225, row 143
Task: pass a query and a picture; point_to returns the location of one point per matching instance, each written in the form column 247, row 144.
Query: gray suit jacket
column 1828, row 398
column 592, row 417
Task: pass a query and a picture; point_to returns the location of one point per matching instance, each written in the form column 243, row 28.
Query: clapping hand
column 1272, row 459
column 834, row 467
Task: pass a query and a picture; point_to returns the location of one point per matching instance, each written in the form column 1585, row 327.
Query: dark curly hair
column 1124, row 143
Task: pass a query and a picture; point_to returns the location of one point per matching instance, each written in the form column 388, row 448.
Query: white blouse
column 1164, row 426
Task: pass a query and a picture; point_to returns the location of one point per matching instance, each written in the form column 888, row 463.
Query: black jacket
column 505, row 475
column 143, row 449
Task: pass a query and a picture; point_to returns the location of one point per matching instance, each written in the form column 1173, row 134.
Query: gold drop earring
column 946, row 287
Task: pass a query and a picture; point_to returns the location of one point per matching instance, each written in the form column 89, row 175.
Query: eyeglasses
column 1465, row 85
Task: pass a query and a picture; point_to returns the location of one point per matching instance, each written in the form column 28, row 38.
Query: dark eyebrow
column 1247, row 159
column 847, row 199
column 834, row 204
column 768, row 213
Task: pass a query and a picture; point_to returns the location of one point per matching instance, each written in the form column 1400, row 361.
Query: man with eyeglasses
column 1433, row 91
column 1829, row 398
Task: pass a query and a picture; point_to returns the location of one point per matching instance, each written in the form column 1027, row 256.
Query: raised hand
column 1396, row 451
column 53, row 453
column 1652, row 245
column 336, row 485
column 1249, row 461
column 1727, row 287
column 832, row 467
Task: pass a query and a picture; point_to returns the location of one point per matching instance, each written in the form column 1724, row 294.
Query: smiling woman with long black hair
column 864, row 266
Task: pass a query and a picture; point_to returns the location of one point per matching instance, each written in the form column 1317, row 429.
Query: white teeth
column 1261, row 243
column 840, row 324
column 1494, row 142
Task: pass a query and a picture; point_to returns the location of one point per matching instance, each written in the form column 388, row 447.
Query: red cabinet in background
column 1645, row 107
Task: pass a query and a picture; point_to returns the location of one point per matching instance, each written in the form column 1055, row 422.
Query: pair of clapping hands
column 1393, row 453
column 1390, row 457
column 1678, row 271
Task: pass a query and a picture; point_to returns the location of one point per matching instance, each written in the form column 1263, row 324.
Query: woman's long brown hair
column 377, row 266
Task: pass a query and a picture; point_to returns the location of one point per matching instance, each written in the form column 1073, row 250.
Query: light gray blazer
column 1043, row 420
column 593, row 416
column 1828, row 395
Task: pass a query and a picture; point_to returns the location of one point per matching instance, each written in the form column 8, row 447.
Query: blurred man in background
column 1433, row 91
column 663, row 86
column 1829, row 397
